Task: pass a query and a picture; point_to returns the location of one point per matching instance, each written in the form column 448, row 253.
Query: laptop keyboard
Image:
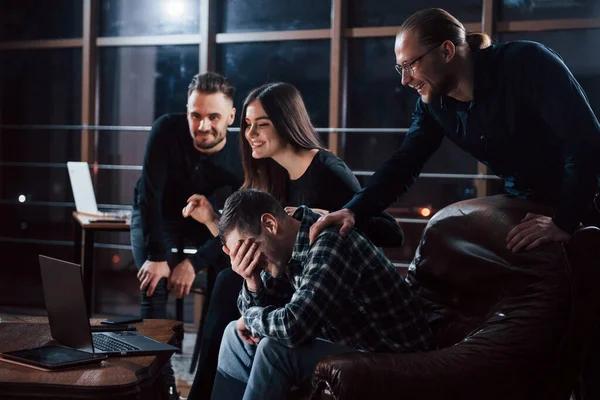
column 108, row 343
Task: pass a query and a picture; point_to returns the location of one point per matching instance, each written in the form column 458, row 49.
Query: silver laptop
column 83, row 191
column 67, row 315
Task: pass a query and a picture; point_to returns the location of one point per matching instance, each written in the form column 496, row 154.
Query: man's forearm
column 248, row 299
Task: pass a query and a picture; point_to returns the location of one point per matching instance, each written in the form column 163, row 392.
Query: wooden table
column 85, row 239
column 116, row 378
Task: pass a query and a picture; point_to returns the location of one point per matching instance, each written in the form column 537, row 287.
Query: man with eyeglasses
column 515, row 107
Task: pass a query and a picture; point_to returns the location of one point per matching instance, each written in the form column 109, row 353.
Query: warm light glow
column 174, row 9
column 116, row 259
column 22, row 198
column 425, row 212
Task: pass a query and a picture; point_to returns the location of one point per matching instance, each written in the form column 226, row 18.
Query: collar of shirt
column 307, row 217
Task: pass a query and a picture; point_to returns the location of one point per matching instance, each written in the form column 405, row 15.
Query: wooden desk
column 85, row 239
column 116, row 378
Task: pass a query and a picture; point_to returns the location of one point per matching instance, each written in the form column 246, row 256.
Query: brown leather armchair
column 508, row 326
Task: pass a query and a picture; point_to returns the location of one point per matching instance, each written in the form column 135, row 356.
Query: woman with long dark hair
column 282, row 155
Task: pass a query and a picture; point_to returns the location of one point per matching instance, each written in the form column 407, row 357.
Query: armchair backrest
column 538, row 301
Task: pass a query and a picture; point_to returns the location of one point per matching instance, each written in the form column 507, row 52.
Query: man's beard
column 443, row 88
column 207, row 146
column 432, row 96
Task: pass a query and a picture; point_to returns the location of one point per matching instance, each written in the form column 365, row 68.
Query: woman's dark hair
column 434, row 26
column 211, row 82
column 283, row 105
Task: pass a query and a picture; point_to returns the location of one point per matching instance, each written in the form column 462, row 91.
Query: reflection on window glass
column 390, row 13
column 35, row 19
column 143, row 17
column 134, row 140
column 115, row 186
column 40, row 86
column 571, row 45
column 273, row 15
column 20, row 282
column 515, row 10
column 36, row 184
column 432, row 193
column 377, row 99
column 304, row 64
column 32, row 145
column 138, row 85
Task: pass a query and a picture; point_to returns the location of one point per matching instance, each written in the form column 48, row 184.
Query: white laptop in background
column 83, row 192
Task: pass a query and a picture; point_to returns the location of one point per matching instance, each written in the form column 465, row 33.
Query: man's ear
column 449, row 50
column 231, row 117
column 269, row 223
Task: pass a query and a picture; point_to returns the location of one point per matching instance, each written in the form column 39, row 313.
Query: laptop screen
column 83, row 191
column 65, row 303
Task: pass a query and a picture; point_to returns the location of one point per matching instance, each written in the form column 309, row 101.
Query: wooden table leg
column 78, row 233
column 88, row 269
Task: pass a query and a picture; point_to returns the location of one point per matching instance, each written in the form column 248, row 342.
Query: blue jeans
column 269, row 369
column 221, row 311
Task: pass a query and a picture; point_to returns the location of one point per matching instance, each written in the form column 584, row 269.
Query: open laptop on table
column 83, row 193
column 67, row 315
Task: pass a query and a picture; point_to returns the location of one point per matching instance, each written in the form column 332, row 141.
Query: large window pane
column 36, row 196
column 110, row 142
column 40, row 86
column 433, row 193
column 304, row 64
column 20, row 280
column 377, row 99
column 273, row 15
column 36, row 222
column 115, row 186
column 39, row 145
column 34, row 92
column 571, row 45
column 143, row 17
column 391, row 12
column 137, row 85
column 515, row 10
column 35, row 19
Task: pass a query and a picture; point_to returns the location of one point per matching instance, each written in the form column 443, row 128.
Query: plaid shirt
column 340, row 289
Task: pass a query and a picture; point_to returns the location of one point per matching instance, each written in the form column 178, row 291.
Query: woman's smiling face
column 260, row 133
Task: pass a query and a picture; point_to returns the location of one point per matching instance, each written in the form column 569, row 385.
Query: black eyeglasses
column 409, row 66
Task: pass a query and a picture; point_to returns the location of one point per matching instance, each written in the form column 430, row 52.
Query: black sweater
column 328, row 183
column 173, row 170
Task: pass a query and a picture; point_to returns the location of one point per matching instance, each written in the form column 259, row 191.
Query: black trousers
column 174, row 235
column 222, row 310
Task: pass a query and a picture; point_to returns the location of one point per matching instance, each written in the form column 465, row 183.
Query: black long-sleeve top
column 173, row 170
column 328, row 183
column 529, row 122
